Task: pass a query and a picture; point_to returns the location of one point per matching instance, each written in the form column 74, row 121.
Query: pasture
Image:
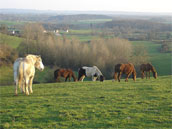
column 10, row 40
column 161, row 61
column 140, row 104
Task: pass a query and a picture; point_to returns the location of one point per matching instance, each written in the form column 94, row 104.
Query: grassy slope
column 6, row 75
column 143, row 104
column 10, row 40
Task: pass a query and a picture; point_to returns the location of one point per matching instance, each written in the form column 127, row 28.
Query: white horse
column 24, row 71
column 93, row 72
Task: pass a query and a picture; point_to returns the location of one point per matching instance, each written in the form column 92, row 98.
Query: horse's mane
column 97, row 70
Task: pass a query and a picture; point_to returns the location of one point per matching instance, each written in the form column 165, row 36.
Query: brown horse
column 66, row 73
column 148, row 68
column 127, row 69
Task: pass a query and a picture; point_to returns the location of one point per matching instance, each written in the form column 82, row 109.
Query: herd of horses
column 24, row 71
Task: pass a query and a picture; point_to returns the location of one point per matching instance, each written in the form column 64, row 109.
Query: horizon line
column 118, row 11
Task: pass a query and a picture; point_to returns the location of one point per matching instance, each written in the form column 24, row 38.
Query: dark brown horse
column 127, row 69
column 66, row 73
column 148, row 68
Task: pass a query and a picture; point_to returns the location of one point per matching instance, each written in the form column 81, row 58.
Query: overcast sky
column 91, row 5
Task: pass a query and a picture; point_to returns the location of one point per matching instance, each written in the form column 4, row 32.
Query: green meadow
column 12, row 41
column 161, row 61
column 143, row 104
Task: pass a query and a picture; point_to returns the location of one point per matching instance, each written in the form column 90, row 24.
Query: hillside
column 140, row 104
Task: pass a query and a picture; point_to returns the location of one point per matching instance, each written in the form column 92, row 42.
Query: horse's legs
column 69, row 78
column 16, row 84
column 82, row 78
column 142, row 74
column 58, row 79
column 134, row 76
column 128, row 76
column 22, row 87
column 146, row 74
column 119, row 76
column 20, row 83
column 26, row 85
column 66, row 79
column 149, row 74
column 30, row 84
column 94, row 78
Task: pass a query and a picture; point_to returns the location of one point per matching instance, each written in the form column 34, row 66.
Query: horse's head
column 155, row 75
column 39, row 65
column 102, row 78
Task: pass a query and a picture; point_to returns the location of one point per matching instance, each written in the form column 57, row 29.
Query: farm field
column 140, row 104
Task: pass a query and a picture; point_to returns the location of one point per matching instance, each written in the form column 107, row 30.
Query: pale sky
column 91, row 5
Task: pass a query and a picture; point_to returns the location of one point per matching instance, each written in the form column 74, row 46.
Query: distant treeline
column 138, row 24
column 51, row 18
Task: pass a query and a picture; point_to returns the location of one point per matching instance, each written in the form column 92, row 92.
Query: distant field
column 143, row 104
column 10, row 40
column 11, row 23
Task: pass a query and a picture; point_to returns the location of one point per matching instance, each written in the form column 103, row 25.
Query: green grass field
column 10, row 40
column 161, row 61
column 12, row 23
column 143, row 104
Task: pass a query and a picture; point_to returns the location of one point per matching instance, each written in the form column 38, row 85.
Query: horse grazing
column 127, row 69
column 66, row 73
column 24, row 71
column 148, row 68
column 93, row 72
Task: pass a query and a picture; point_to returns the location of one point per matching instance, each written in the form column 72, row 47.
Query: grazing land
column 12, row 41
column 161, row 61
column 140, row 104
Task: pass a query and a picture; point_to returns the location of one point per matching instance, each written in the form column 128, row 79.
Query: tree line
column 71, row 53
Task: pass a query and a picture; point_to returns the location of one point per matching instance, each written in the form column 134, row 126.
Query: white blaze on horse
column 93, row 72
column 24, row 71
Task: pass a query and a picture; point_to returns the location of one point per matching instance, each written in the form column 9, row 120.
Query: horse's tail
column 79, row 74
column 56, row 73
column 134, row 73
column 15, row 72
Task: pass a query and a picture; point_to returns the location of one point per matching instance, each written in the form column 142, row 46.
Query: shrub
column 7, row 55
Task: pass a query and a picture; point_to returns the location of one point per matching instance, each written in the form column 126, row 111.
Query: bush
column 7, row 55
